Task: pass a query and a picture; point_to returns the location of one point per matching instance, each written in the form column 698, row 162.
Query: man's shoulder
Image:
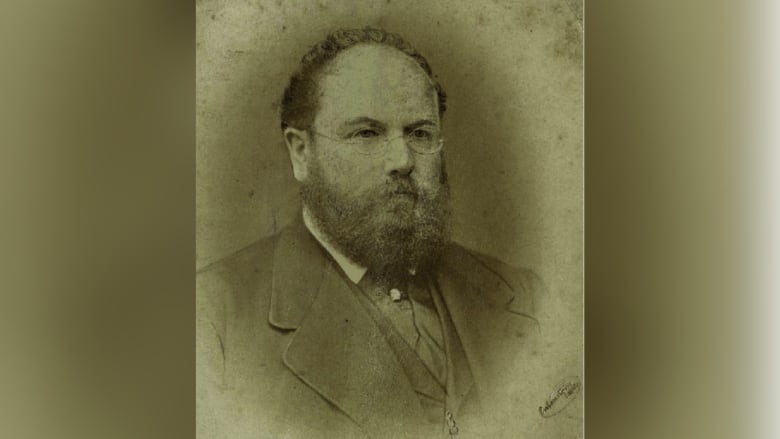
column 258, row 252
column 494, row 277
column 249, row 275
column 235, row 277
column 249, row 261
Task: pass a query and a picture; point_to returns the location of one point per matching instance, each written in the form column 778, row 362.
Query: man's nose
column 399, row 157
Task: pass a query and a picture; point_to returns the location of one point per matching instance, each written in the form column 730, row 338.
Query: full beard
column 390, row 229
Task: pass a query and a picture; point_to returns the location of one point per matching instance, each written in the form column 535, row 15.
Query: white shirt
column 354, row 271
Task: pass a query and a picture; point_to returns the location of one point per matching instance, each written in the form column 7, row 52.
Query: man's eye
column 421, row 134
column 366, row 134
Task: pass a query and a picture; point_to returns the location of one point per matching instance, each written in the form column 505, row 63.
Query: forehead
column 378, row 82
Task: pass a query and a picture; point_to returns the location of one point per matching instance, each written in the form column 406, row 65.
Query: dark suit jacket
column 285, row 349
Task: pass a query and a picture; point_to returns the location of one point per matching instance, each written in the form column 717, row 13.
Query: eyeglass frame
column 354, row 141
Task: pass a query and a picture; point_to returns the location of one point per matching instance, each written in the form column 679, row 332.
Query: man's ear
column 299, row 147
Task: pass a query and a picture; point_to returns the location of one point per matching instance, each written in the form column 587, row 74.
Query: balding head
column 300, row 103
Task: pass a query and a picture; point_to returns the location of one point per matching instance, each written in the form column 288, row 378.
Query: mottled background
column 513, row 73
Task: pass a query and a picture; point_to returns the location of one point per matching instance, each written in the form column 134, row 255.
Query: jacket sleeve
column 209, row 354
column 210, row 328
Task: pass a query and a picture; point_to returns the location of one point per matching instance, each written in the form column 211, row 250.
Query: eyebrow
column 421, row 123
column 368, row 120
column 363, row 119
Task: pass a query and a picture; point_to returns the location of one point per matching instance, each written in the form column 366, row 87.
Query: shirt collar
column 354, row 272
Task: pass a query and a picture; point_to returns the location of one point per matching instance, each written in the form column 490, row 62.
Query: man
column 361, row 318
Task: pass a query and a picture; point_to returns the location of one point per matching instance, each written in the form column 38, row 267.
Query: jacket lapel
column 337, row 349
column 490, row 316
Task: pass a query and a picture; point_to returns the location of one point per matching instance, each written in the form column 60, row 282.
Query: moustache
column 402, row 187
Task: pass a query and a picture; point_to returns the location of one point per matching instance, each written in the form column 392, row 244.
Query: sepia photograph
column 389, row 219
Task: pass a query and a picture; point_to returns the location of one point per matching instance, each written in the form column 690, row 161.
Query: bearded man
column 361, row 318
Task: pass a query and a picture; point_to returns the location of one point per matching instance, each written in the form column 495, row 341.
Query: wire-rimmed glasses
column 420, row 140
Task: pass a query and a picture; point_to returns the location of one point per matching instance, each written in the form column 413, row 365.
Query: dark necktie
column 411, row 310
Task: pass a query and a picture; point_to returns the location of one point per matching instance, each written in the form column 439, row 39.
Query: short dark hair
column 299, row 104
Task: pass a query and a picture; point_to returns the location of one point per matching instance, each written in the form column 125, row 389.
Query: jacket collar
column 492, row 317
column 298, row 267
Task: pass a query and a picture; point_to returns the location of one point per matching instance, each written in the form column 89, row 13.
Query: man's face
column 387, row 208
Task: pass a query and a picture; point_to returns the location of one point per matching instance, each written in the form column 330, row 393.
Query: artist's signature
column 560, row 396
